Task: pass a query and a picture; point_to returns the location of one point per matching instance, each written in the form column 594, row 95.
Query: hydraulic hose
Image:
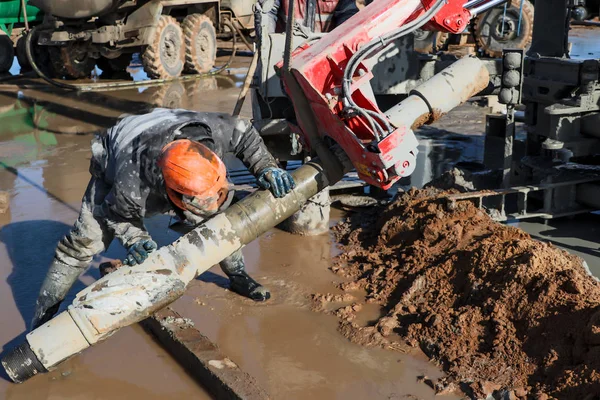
column 122, row 85
column 367, row 50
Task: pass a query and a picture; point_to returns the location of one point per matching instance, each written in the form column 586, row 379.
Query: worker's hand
column 279, row 181
column 138, row 252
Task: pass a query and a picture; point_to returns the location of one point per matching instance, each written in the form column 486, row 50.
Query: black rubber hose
column 239, row 31
column 122, row 85
column 287, row 51
column 19, row 76
column 21, row 363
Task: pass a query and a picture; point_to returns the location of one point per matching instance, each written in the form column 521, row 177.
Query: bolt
column 459, row 22
column 362, row 72
column 447, row 21
column 328, row 96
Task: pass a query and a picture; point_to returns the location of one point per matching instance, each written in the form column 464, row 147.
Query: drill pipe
column 131, row 294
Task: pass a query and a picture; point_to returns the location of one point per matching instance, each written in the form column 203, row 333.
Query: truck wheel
column 495, row 31
column 428, row 42
column 200, row 43
column 41, row 56
column 110, row 65
column 164, row 55
column 71, row 61
column 7, row 52
column 22, row 55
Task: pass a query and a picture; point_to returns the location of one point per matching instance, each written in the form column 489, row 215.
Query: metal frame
column 546, row 190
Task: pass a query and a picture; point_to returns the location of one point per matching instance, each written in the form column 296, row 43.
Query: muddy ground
column 292, row 351
column 502, row 313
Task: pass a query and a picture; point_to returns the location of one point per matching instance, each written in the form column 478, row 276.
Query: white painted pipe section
column 57, row 340
column 129, row 295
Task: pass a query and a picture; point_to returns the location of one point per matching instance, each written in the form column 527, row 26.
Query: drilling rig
column 337, row 119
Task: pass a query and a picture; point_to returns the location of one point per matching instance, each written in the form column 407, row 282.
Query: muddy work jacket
column 125, row 158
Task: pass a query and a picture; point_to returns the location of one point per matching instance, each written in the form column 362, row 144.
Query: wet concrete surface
column 292, row 352
column 584, row 42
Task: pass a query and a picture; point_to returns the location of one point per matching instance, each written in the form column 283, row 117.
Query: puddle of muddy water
column 584, row 42
column 292, row 351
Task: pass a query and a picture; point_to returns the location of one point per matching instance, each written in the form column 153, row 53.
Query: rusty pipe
column 131, row 294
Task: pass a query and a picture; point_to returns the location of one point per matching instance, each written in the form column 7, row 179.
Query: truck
column 171, row 36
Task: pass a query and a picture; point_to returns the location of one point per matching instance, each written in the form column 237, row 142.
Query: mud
column 501, row 313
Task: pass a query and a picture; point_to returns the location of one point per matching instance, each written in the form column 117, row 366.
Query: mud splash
column 501, row 313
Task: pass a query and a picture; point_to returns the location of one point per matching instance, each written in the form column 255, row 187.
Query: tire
column 429, row 42
column 22, row 55
column 490, row 36
column 7, row 52
column 200, row 43
column 164, row 56
column 41, row 56
column 71, row 61
column 111, row 65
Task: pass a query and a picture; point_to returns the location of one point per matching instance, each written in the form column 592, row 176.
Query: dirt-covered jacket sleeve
column 123, row 214
column 249, row 147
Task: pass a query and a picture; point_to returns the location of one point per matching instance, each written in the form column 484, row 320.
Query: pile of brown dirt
column 503, row 314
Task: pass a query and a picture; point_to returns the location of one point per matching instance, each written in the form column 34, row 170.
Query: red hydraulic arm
column 328, row 83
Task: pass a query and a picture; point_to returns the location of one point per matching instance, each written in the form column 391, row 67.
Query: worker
column 153, row 163
column 328, row 13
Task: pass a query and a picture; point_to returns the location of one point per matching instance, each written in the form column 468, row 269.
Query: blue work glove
column 279, row 181
column 138, row 252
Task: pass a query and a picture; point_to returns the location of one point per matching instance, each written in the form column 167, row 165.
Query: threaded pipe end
column 21, row 363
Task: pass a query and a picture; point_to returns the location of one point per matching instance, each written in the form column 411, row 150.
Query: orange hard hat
column 195, row 177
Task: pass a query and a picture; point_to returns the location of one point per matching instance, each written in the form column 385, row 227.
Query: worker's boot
column 59, row 280
column 244, row 285
column 240, row 282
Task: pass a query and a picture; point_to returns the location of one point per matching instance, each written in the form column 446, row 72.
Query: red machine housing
column 318, row 70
